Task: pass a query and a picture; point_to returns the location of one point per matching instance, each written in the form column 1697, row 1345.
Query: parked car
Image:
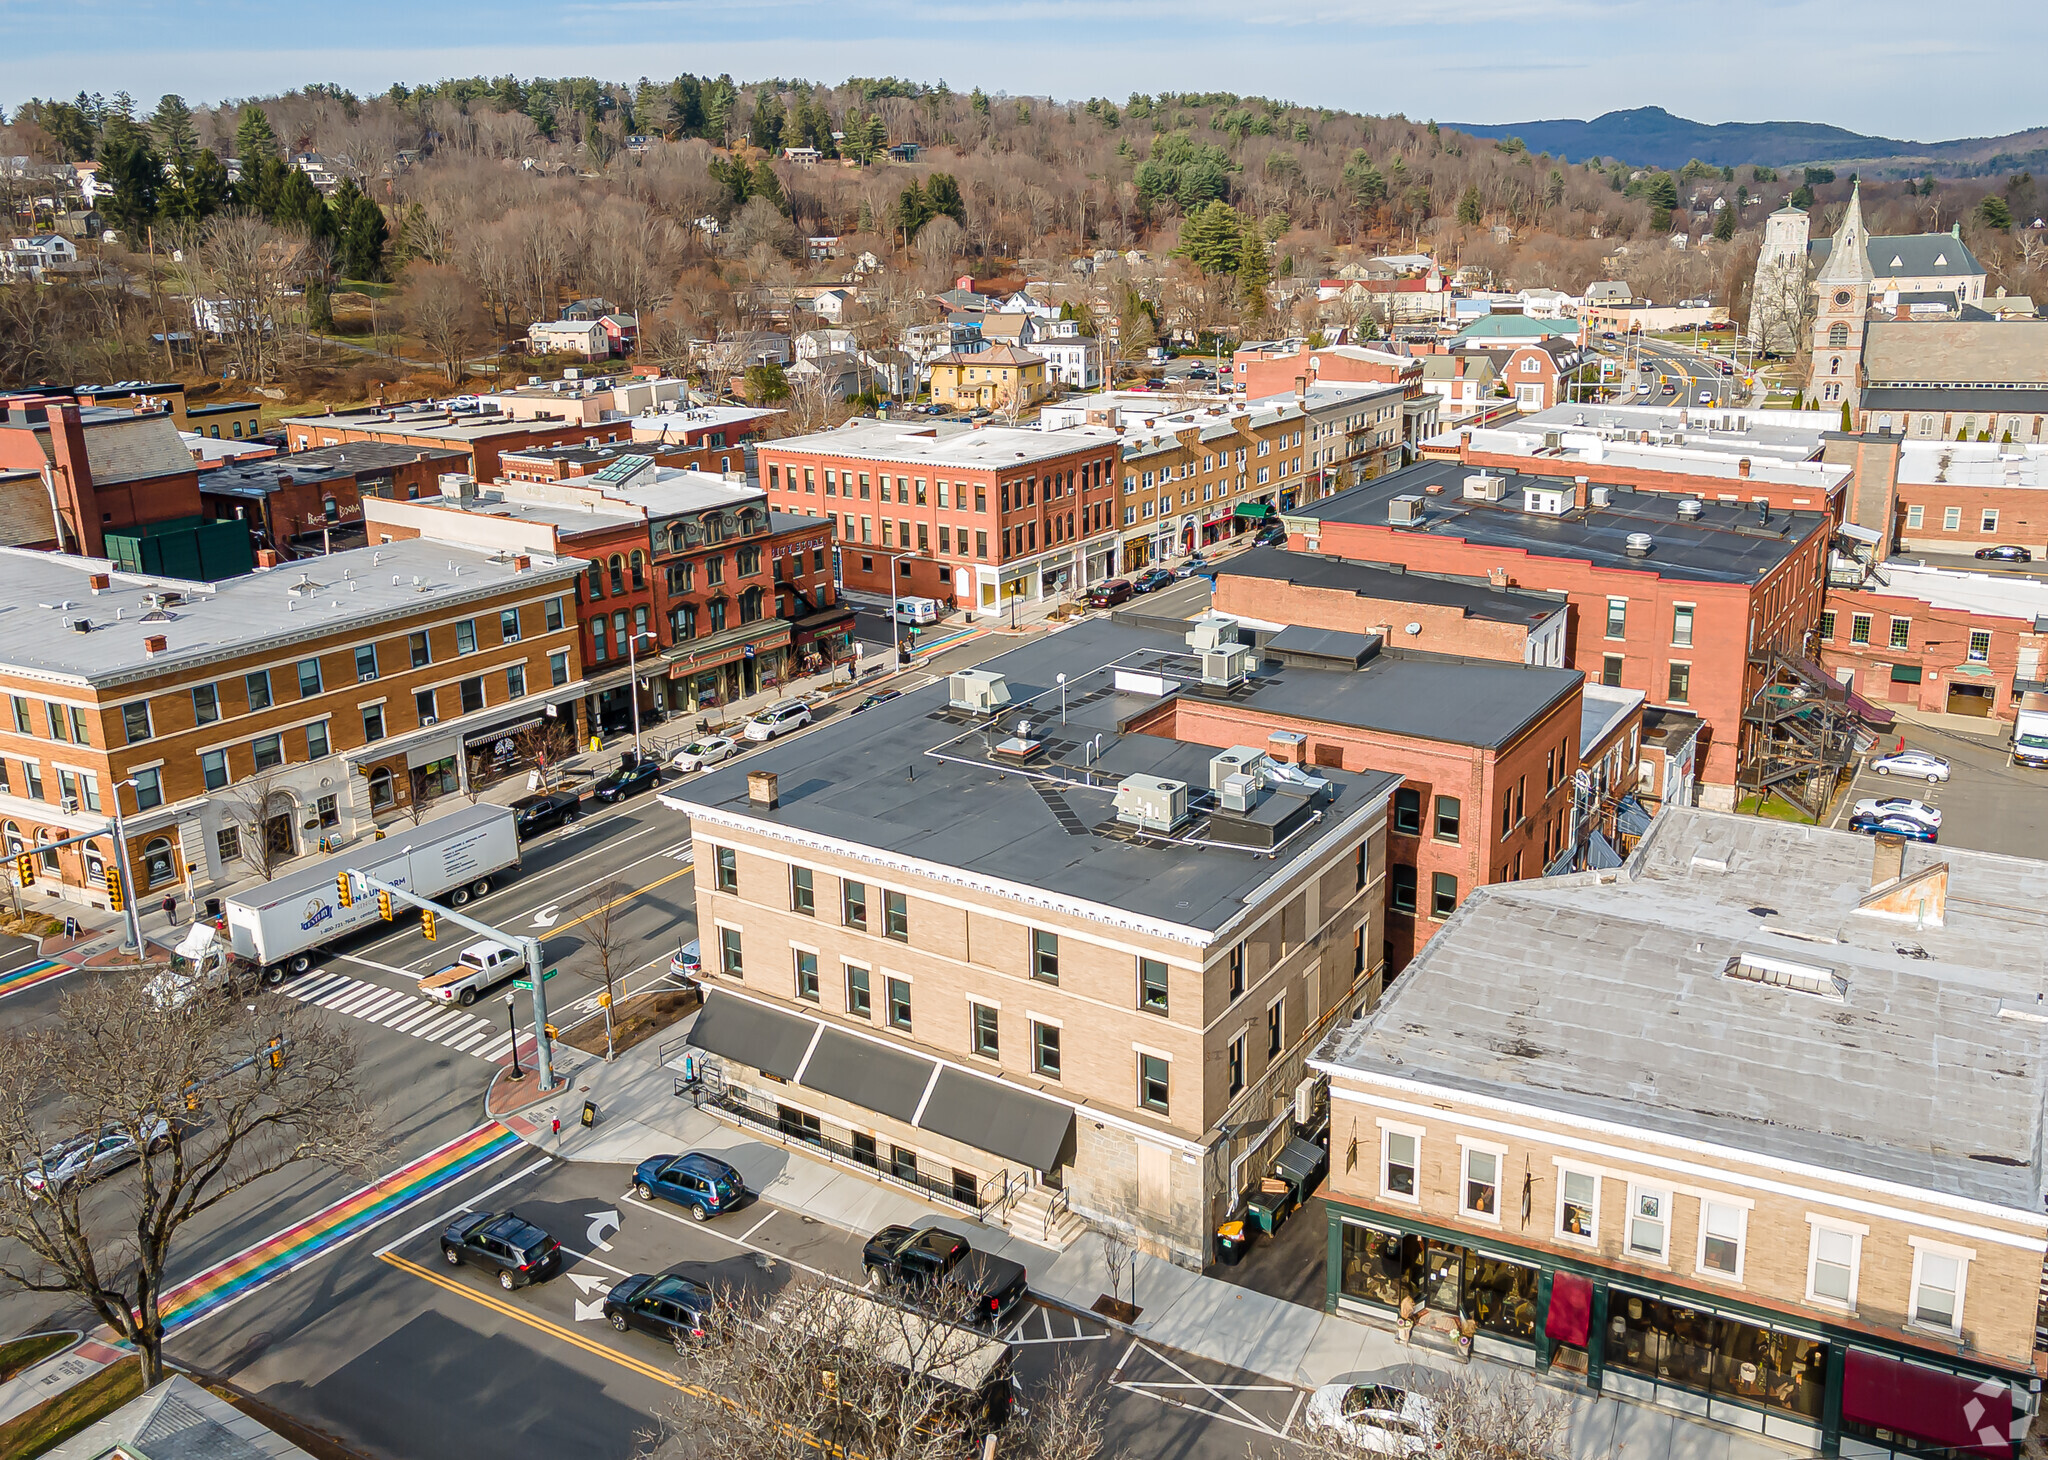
column 1382, row 1418
column 627, row 780
column 704, row 1184
column 778, row 720
column 669, row 1307
column 1152, row 580
column 702, row 754
column 980, row 413
column 89, row 1157
column 512, row 1247
column 536, row 814
column 1110, row 594
column 1191, row 567
column 1274, row 536
column 1917, row 763
column 872, row 700
column 687, row 963
column 1912, row 828
column 2006, row 553
column 1898, row 806
column 913, row 1259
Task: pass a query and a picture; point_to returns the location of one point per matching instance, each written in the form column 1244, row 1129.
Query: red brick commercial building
column 973, row 518
column 565, row 463
column 1681, row 599
column 1271, row 369
column 1935, row 639
column 111, row 470
column 1538, row 374
column 309, row 495
column 484, row 439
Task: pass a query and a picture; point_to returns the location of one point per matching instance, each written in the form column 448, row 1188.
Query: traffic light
column 427, row 924
column 114, row 903
column 344, row 890
column 384, row 905
column 25, row 868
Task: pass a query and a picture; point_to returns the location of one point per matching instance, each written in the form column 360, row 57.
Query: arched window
column 15, row 845
column 750, row 605
column 380, row 788
column 1834, row 365
column 95, row 865
column 683, row 622
column 713, row 531
column 618, row 566
column 49, row 853
column 157, row 863
column 675, row 537
column 639, row 573
column 596, row 577
column 1838, row 336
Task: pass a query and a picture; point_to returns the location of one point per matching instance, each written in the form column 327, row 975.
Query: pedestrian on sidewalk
column 170, row 906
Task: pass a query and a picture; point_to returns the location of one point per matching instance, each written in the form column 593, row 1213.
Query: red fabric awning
column 1952, row 1410
column 1571, row 1309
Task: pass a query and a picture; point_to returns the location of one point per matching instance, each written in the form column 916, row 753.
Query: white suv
column 779, row 720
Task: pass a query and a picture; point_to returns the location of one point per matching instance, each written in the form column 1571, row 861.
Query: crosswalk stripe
column 433, row 1029
column 376, row 1007
column 460, row 1042
column 313, row 987
column 359, row 998
column 329, row 993
column 410, row 1025
column 496, row 1049
column 406, row 1011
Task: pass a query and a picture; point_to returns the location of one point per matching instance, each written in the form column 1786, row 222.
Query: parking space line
column 710, row 1231
column 757, row 1226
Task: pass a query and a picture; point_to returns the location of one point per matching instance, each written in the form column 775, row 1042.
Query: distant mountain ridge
column 1652, row 137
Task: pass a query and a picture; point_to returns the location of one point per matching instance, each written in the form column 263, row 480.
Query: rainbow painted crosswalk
column 30, row 974
column 347, row 1218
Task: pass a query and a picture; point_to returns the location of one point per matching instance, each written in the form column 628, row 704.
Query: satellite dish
column 1415, row 628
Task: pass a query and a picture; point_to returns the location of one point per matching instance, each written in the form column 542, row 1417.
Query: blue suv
column 704, row 1184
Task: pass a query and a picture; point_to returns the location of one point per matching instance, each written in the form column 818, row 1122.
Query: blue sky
column 1871, row 66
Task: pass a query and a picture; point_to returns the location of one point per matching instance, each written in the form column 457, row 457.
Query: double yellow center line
column 683, row 871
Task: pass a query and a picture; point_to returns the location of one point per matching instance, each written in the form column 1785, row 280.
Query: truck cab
column 2030, row 738
column 916, row 1260
column 481, row 967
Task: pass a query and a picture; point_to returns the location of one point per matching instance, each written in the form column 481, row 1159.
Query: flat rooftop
column 1726, row 544
column 1973, row 464
column 1475, row 596
column 49, row 593
column 456, row 428
column 1711, row 445
column 919, row 781
column 698, row 418
column 2000, row 595
column 1606, row 996
column 992, row 448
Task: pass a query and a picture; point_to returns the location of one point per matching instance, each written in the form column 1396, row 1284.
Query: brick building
column 1278, row 368
column 1685, row 600
column 484, row 439
column 1954, row 497
column 291, row 706
column 1730, row 1165
column 566, row 463
column 1538, row 374
column 112, row 470
column 298, row 497
column 1041, row 996
column 1933, row 639
column 973, row 518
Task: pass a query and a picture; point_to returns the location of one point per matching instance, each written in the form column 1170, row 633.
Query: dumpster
column 1301, row 1164
column 1231, row 1240
column 1269, row 1205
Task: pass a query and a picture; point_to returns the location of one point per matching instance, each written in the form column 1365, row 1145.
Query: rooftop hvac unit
column 1238, row 760
column 1486, row 487
column 1639, row 544
column 1601, row 496
column 1239, row 792
column 981, row 691
column 1405, row 511
column 1226, row 666
column 1212, row 631
column 1690, row 509
column 1152, row 802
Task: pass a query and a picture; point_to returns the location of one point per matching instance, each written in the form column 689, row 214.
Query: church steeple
column 1849, row 258
column 1843, row 289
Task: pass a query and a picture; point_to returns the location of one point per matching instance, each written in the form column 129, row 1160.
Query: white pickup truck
column 482, row 966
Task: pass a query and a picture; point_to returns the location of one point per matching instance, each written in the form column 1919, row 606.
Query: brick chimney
column 761, row 790
column 1742, row 468
column 72, row 474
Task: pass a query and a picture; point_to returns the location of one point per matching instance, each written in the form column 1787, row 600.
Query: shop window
column 227, row 842
column 1481, row 1195
column 1578, row 1206
column 158, row 865
column 1398, row 1164
column 1721, row 1228
column 1683, row 1347
column 1385, row 1267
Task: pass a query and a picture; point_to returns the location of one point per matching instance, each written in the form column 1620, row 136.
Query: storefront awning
column 999, row 1118
column 1949, row 1410
column 1571, row 1309
column 868, row 1074
column 1256, row 511
column 428, row 751
column 499, row 732
column 767, row 1040
column 1905, row 674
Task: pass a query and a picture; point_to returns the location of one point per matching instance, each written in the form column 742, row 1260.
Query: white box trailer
column 279, row 926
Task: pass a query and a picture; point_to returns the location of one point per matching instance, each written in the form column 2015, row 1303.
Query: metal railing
column 770, row 1116
column 1054, row 1210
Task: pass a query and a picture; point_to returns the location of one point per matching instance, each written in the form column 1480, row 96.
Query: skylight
column 1801, row 978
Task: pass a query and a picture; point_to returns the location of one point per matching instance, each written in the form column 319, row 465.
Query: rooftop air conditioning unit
column 1212, row 631
column 1405, row 511
column 1639, row 544
column 1153, row 803
column 1226, row 666
column 1486, row 487
column 1690, row 509
column 978, row 691
column 1239, row 792
column 1601, row 496
column 1238, row 760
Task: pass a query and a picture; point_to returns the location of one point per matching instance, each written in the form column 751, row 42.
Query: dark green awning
column 1905, row 674
column 1256, row 511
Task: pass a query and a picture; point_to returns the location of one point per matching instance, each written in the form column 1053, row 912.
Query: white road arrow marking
column 590, row 1312
column 545, row 918
column 588, row 1282
column 599, row 1222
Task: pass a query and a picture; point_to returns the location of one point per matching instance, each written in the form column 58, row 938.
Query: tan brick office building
column 965, row 968
column 1748, row 1128
column 331, row 687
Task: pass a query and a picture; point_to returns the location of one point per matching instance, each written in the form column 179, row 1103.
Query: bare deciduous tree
column 543, row 747
column 217, row 1093
column 443, row 309
column 255, row 804
column 246, row 266
column 605, row 944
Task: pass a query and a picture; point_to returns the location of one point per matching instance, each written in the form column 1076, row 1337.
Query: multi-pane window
column 896, row 916
column 1152, row 985
column 205, row 704
column 515, row 681
column 807, row 975
column 258, row 685
column 149, row 789
column 1916, row 517
column 21, row 721
column 1610, row 669
column 135, row 721
column 730, row 959
column 309, row 678
column 1401, row 888
column 1827, row 623
column 1397, row 1164
column 984, row 1018
column 1448, row 811
column 1859, row 628
column 899, row 1003
column 268, row 750
column 1721, row 1226
column 1902, row 633
column 422, row 656
column 727, row 876
column 1617, row 618
column 366, row 663
column 472, row 691
column 801, row 896
column 853, row 905
column 1649, row 1223
column 1832, row 1275
column 1482, row 1182
column 857, row 1001
column 373, row 722
column 1408, row 810
column 1045, row 1049
column 1045, row 956
column 508, row 625
column 1153, row 1083
column 1276, row 1018
column 465, row 636
column 553, row 609
column 1681, row 626
column 213, row 769
column 1680, row 687
column 1443, row 894
column 1989, row 521
column 1578, row 1205
column 558, row 667
column 316, row 740
column 1237, row 970
column 1937, row 1289
column 1980, row 645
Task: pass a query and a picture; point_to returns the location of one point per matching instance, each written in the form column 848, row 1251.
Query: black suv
column 536, row 814
column 629, row 779
column 669, row 1307
column 511, row 1246
column 913, row 1260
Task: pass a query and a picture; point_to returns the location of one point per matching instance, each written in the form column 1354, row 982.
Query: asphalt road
column 1985, row 804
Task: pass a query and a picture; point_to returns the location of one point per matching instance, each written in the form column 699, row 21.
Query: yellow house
column 1000, row 378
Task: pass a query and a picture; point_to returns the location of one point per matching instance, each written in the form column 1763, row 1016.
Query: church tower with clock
column 1843, row 288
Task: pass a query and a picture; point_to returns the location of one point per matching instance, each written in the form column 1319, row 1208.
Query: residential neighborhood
column 764, row 767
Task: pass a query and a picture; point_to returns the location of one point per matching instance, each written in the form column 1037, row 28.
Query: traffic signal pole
column 529, row 949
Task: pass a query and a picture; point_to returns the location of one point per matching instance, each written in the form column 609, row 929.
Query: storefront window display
column 1673, row 1343
column 1450, row 1280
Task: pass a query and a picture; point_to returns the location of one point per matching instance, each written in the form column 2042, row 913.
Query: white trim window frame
column 1961, row 1258
column 1649, row 1208
column 1826, row 1244
column 1485, row 1182
column 1392, row 1132
column 1715, row 1227
column 1589, row 1203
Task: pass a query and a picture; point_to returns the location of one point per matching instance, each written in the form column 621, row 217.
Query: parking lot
column 1986, row 804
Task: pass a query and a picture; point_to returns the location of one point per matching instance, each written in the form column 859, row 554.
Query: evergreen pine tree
column 176, row 141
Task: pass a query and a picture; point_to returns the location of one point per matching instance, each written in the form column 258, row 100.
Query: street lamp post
column 512, row 1020
column 633, row 686
column 1063, row 699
